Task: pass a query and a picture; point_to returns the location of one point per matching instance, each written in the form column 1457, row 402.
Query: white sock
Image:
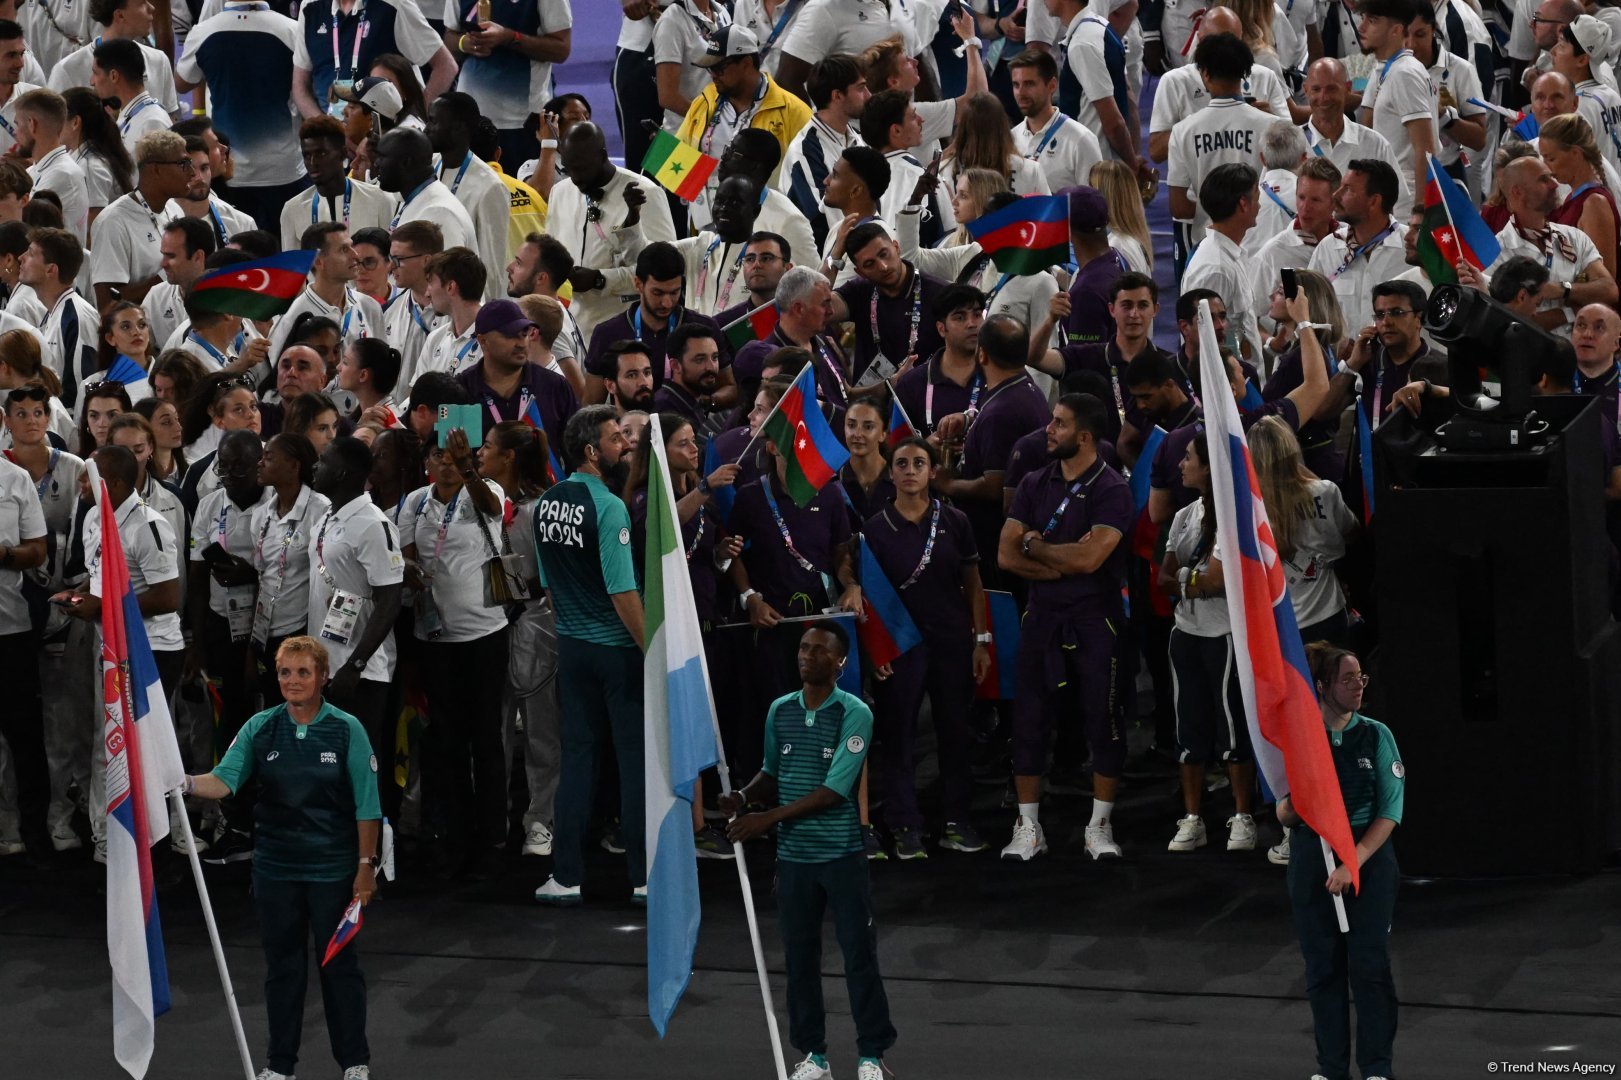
column 1031, row 812
column 1100, row 812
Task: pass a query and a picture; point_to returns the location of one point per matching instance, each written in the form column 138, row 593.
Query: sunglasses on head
column 34, row 392
column 108, row 387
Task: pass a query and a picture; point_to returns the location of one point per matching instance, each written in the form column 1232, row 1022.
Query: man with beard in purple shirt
column 695, row 365
column 660, row 279
column 628, row 385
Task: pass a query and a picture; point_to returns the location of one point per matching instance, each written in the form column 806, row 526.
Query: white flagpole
column 1339, row 900
column 214, row 937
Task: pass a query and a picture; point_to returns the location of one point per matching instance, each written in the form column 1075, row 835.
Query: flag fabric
column 130, row 375
column 1002, row 618
column 1280, row 705
column 797, row 427
column 755, row 326
column 254, row 290
column 1452, row 229
column 886, row 629
column 850, row 674
column 1526, row 126
column 680, row 742
column 681, row 168
column 143, row 764
column 554, row 467
column 721, row 499
column 1025, row 237
column 1364, row 453
column 900, row 425
column 348, row 927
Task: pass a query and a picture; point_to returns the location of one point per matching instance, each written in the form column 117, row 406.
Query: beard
column 616, row 474
column 642, row 401
column 1064, row 451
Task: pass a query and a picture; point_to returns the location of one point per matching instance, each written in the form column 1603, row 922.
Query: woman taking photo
column 168, row 462
column 1339, row 966
column 1318, row 435
column 449, row 531
column 865, row 476
column 926, row 550
column 93, row 139
column 280, row 527
column 705, row 550
column 317, row 829
column 1209, row 709
column 102, row 402
column 1571, row 151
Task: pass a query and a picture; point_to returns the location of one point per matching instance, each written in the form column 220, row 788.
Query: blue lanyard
column 776, row 31
column 1272, row 194
column 123, row 129
column 1365, row 248
column 418, row 190
column 1047, row 136
column 461, row 354
column 217, row 356
column 636, row 321
column 1386, row 69
column 1316, row 147
column 411, row 307
column 220, row 234
column 461, row 172
column 1077, row 488
column 348, row 189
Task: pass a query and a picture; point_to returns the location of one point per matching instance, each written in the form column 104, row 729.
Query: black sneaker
column 873, row 843
column 613, row 840
column 233, row 847
column 960, row 836
column 711, row 843
column 909, row 844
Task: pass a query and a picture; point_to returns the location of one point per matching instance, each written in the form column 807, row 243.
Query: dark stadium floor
column 1158, row 966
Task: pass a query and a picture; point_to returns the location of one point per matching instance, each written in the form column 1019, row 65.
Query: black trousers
column 263, row 204
column 1342, row 966
column 235, row 665
column 636, row 98
column 292, row 915
column 22, row 722
column 464, row 788
column 368, row 705
column 805, row 891
column 601, row 692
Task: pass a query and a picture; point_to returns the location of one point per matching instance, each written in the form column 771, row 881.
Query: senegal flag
column 1453, row 229
column 1025, row 237
column 800, row 432
column 677, row 166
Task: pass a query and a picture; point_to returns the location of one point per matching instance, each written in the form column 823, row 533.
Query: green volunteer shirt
column 315, row 781
column 582, row 539
column 810, row 748
column 1372, row 779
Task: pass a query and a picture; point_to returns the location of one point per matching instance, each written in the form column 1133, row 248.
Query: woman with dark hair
column 22, row 364
column 1340, row 967
column 1209, row 709
column 280, row 527
column 515, row 455
column 223, row 401
column 125, row 334
column 175, row 375
column 926, row 549
column 865, row 476
column 93, row 139
column 403, row 74
column 396, row 470
column 314, row 416
column 102, row 402
column 168, row 461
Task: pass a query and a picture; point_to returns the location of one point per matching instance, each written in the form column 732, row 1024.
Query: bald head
column 1550, row 19
column 1552, row 95
column 584, row 155
column 1221, row 20
column 1327, row 83
column 1530, row 188
column 404, row 160
column 1595, row 335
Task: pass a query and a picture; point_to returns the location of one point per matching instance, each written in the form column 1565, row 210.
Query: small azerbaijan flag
column 800, row 433
column 886, row 629
column 1025, row 237
column 679, row 167
column 260, row 289
column 900, row 425
column 1452, row 229
column 755, row 326
column 1002, row 620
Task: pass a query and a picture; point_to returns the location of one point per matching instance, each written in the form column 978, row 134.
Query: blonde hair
column 1118, row 186
column 304, row 645
column 982, row 184
column 1256, row 17
column 983, row 139
column 1572, row 131
column 1324, row 306
column 1285, row 481
column 162, row 145
column 546, row 313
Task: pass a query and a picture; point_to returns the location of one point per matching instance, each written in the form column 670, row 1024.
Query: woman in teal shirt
column 1355, row 964
column 316, row 817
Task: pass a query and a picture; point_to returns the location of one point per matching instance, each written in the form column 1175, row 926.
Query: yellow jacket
column 780, row 113
column 528, row 211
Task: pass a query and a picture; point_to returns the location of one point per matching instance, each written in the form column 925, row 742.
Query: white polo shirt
column 1063, row 148
column 281, row 554
column 58, row 171
column 1227, row 131
column 1565, row 261
column 810, row 157
column 225, row 219
column 21, row 518
column 1220, row 264
column 452, row 552
column 1290, row 248
column 361, row 206
column 1354, row 272
column 127, row 235
column 165, row 309
column 447, row 351
column 1277, row 210
column 1084, row 52
column 407, row 326
column 153, row 557
column 99, row 185
column 143, row 114
column 1181, row 93
column 1399, row 91
column 358, row 317
column 1458, row 77
column 826, row 27
column 489, row 206
column 219, row 520
column 1356, row 141
column 74, row 70
column 434, row 202
column 355, row 548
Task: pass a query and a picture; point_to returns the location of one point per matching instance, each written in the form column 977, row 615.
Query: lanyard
column 1078, row 488
column 820, row 348
column 11, row 131
column 48, row 481
column 788, row 10
column 281, row 559
column 928, row 545
column 1386, row 69
column 214, row 354
column 731, row 276
column 415, row 313
column 354, row 54
column 320, row 551
column 134, row 109
column 1312, row 140
column 698, row 537
column 139, row 198
column 444, row 522
column 737, row 125
column 917, row 316
column 461, row 172
column 418, row 190
column 1272, row 193
column 220, row 235
column 315, row 202
column 975, row 385
column 1363, row 250
column 225, row 509
column 636, row 321
column 1047, row 136
column 524, row 401
column 461, row 354
column 782, row 527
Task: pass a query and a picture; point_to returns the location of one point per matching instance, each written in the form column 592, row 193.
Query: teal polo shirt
column 315, row 781
column 582, row 539
column 1372, row 779
column 810, row 748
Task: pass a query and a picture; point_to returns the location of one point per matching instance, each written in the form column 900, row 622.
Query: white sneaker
column 809, row 1070
column 357, row 1072
column 1278, row 854
column 538, row 840
column 1240, row 833
column 63, row 838
column 558, row 895
column 1100, row 842
column 638, row 895
column 100, row 854
column 870, row 1070
column 1190, row 834
column 10, row 845
column 1028, row 841
column 271, row 1074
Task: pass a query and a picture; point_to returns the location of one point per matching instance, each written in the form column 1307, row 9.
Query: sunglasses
column 109, row 387
column 28, row 393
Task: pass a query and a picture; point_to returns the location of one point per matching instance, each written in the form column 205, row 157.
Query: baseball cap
column 1590, row 36
column 1088, row 210
column 501, row 317
column 728, row 42
column 374, row 92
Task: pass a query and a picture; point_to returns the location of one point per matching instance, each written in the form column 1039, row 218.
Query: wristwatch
column 1025, row 545
column 1566, row 300
column 372, row 861
column 982, row 639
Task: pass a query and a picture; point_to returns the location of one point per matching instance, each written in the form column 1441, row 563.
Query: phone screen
column 1291, row 283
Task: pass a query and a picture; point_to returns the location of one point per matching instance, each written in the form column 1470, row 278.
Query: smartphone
column 67, row 601
column 1291, row 283
column 216, row 555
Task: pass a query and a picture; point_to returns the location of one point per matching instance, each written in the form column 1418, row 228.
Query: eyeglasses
column 1392, row 313
column 184, row 164
column 371, row 263
column 1550, row 22
column 1359, row 679
column 401, row 260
